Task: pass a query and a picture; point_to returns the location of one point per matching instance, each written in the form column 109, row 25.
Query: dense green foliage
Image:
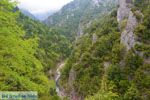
column 76, row 16
column 28, row 49
column 98, row 68
column 87, row 58
column 52, row 45
column 20, row 69
column 103, row 68
column 143, row 29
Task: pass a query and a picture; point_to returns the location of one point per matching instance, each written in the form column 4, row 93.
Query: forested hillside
column 74, row 17
column 111, row 61
column 28, row 50
column 89, row 50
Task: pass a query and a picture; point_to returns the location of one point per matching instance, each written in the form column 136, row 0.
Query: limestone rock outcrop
column 128, row 39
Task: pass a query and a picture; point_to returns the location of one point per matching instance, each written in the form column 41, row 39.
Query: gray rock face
column 80, row 30
column 73, row 95
column 106, row 65
column 124, row 12
column 94, row 39
column 127, row 36
column 97, row 2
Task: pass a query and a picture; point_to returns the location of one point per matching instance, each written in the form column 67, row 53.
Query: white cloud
column 42, row 6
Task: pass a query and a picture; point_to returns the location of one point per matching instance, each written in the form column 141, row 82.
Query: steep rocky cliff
column 111, row 61
column 128, row 22
column 129, row 18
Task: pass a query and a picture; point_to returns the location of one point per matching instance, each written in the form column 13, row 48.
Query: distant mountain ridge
column 43, row 16
column 27, row 13
column 78, row 15
column 37, row 16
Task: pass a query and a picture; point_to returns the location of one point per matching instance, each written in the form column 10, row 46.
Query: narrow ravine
column 60, row 93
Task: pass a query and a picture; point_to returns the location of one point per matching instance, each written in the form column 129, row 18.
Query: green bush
column 123, row 24
column 132, row 94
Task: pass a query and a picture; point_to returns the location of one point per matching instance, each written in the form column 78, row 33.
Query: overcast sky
column 42, row 6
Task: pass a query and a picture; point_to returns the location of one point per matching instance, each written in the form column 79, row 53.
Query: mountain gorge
column 76, row 16
column 35, row 16
column 89, row 50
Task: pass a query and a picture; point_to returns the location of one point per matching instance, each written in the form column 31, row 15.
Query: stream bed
column 60, row 93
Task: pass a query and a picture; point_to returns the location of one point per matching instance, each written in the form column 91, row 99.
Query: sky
column 42, row 6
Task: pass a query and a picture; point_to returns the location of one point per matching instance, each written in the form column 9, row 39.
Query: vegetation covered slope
column 74, row 17
column 28, row 49
column 52, row 46
column 100, row 68
column 88, row 57
column 20, row 69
